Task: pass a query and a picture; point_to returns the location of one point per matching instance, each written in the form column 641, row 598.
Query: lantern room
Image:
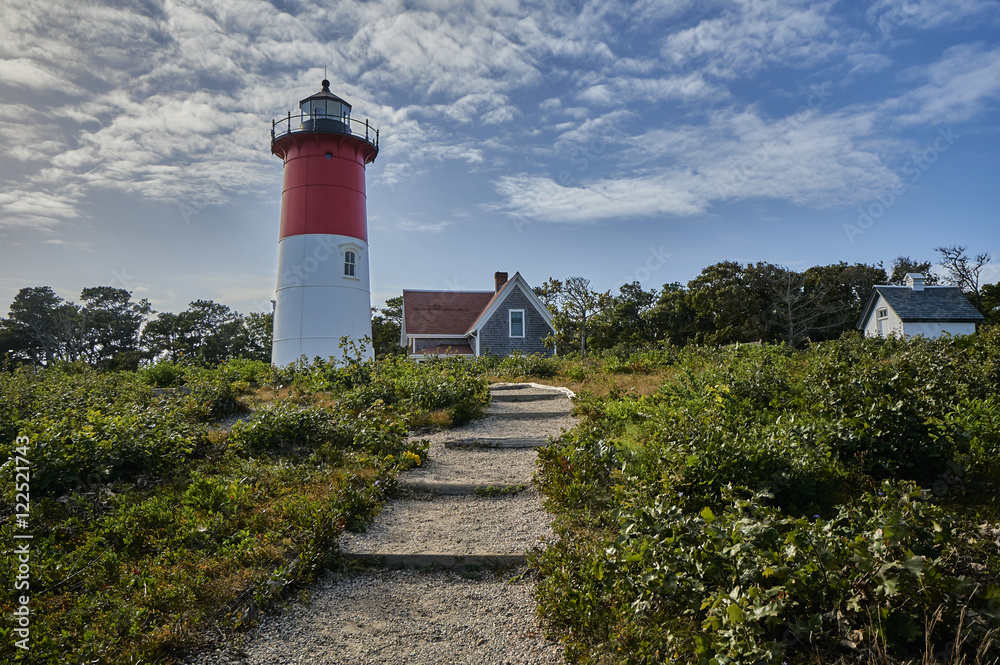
column 325, row 112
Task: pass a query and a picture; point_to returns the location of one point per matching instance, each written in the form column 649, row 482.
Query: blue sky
column 613, row 140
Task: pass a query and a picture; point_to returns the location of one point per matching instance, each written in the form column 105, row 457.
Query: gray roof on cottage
column 932, row 303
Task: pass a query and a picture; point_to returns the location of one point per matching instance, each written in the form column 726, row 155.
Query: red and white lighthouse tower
column 323, row 291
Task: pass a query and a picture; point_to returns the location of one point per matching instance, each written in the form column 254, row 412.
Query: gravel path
column 456, row 525
column 432, row 618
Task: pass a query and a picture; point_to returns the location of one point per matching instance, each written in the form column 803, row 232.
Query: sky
column 618, row 141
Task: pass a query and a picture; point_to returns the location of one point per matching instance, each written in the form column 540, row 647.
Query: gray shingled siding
column 428, row 342
column 495, row 334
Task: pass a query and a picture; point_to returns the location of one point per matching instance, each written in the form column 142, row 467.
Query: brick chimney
column 499, row 279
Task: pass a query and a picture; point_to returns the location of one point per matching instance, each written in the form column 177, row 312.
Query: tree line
column 727, row 302
column 731, row 302
column 110, row 330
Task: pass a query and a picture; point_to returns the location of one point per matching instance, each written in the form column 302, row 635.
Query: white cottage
column 915, row 309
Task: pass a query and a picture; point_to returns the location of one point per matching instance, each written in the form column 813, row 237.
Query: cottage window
column 882, row 321
column 349, row 263
column 517, row 323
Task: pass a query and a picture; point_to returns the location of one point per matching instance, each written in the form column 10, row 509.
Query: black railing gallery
column 316, row 122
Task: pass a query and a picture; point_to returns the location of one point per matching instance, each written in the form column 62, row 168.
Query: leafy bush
column 518, row 365
column 284, row 425
column 164, row 374
column 249, row 371
column 148, row 520
column 758, row 508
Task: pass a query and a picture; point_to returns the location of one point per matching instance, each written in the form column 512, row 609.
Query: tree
column 258, row 331
column 729, row 302
column 212, row 331
column 164, row 338
column 549, row 293
column 845, row 292
column 386, row 325
column 963, row 271
column 672, row 318
column 989, row 295
column 623, row 319
column 809, row 306
column 903, row 265
column 571, row 304
column 111, row 324
column 580, row 303
column 32, row 324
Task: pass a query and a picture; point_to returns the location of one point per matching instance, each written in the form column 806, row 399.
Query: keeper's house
column 475, row 323
column 915, row 309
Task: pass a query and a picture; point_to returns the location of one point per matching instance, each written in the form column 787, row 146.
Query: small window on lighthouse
column 349, row 263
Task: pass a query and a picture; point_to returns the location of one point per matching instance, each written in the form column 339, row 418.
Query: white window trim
column 357, row 249
column 882, row 313
column 510, row 324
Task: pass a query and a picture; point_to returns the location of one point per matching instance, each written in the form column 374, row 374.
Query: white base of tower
column 316, row 302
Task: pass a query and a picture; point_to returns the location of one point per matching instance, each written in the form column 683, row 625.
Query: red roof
column 443, row 312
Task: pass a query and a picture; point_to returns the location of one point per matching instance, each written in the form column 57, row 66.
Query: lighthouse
column 323, row 291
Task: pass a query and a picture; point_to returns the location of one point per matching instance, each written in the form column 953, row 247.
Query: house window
column 883, row 314
column 882, row 321
column 349, row 263
column 517, row 323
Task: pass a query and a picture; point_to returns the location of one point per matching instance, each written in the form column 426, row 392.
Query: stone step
column 527, row 415
column 486, row 561
column 527, row 397
column 490, row 442
column 461, row 489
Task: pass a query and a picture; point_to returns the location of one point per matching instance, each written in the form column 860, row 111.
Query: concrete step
column 527, row 415
column 461, row 489
column 489, row 442
column 485, row 561
column 526, row 397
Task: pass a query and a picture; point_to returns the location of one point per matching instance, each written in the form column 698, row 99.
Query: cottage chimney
column 499, row 279
column 915, row 281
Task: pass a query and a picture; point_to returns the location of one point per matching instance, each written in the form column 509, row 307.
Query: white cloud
column 889, row 16
column 35, row 209
column 171, row 101
column 810, row 159
column 748, row 35
column 958, row 88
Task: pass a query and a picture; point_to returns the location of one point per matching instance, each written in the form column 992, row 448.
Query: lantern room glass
column 326, row 108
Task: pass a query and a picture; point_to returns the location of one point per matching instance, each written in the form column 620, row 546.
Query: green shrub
column 249, row 371
column 286, row 425
column 752, row 585
column 164, row 374
column 739, row 515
